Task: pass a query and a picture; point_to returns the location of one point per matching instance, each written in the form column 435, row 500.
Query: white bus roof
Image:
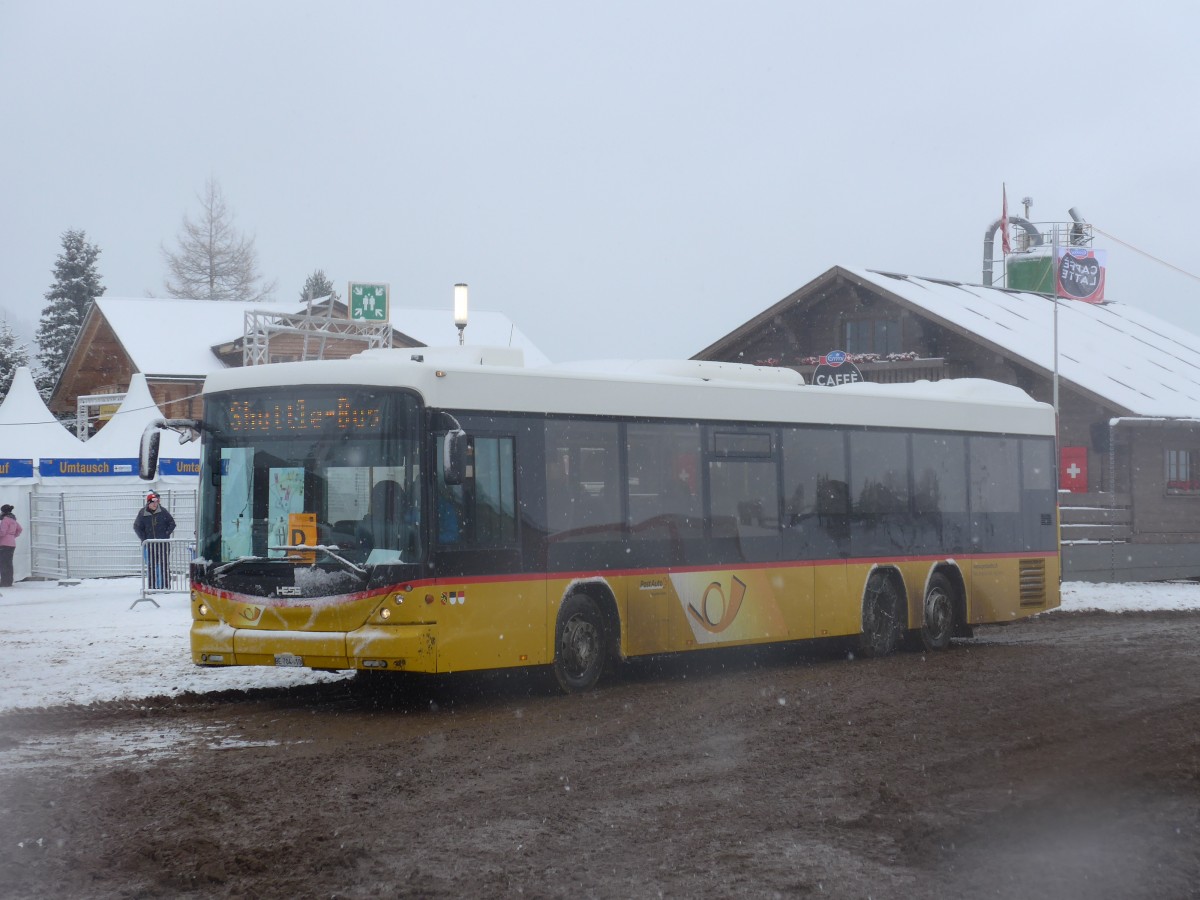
column 495, row 380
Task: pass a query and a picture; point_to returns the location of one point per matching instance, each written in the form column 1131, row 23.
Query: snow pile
column 84, row 643
column 1078, row 596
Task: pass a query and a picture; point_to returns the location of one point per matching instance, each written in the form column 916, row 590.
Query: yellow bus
column 451, row 510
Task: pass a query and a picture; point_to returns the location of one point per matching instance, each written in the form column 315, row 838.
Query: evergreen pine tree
column 76, row 285
column 317, row 285
column 13, row 355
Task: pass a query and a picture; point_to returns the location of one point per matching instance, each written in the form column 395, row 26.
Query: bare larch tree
column 214, row 260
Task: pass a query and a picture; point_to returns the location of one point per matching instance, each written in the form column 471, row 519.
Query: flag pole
column 1054, row 299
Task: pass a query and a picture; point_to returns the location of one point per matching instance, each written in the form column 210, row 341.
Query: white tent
column 110, row 458
column 28, row 430
column 81, row 497
column 28, row 434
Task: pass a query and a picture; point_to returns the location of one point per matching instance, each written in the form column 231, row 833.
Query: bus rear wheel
column 938, row 627
column 579, row 645
column 880, row 617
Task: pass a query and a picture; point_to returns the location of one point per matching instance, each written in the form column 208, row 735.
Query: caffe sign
column 836, row 368
column 1081, row 274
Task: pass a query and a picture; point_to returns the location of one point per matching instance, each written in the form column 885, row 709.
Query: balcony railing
column 897, row 371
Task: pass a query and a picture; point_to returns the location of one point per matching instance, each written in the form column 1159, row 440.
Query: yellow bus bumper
column 406, row 648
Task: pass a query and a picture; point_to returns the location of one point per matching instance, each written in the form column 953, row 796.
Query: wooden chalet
column 175, row 344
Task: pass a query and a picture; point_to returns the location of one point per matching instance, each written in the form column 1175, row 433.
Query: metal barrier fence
column 89, row 534
column 165, row 567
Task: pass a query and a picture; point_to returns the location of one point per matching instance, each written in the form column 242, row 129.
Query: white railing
column 166, row 564
column 89, row 534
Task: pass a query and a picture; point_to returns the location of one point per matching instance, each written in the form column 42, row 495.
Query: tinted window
column 482, row 512
column 583, row 497
column 744, row 500
column 995, row 492
column 880, row 520
column 939, row 496
column 816, row 494
column 664, row 493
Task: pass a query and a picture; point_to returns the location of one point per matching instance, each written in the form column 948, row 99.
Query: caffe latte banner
column 1081, row 274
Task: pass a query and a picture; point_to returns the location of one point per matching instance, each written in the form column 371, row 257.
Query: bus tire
column 880, row 617
column 580, row 649
column 938, row 625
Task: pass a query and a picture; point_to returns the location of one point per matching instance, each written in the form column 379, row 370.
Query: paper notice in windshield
column 302, row 529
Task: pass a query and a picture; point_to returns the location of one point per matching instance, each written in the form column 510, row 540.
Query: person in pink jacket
column 10, row 530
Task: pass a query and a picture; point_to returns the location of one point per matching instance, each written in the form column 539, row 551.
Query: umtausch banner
column 1081, row 274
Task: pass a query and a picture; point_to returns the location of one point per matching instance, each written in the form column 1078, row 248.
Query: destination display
column 303, row 414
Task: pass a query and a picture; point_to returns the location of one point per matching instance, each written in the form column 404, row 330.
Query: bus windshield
column 330, row 467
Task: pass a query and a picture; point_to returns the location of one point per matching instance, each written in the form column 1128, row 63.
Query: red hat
column 151, row 496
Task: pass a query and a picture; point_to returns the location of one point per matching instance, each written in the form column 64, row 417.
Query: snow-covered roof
column 167, row 337
column 1135, row 361
column 175, row 337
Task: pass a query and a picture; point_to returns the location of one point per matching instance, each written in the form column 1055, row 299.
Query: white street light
column 460, row 310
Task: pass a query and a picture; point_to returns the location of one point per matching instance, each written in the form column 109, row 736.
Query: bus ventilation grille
column 1033, row 582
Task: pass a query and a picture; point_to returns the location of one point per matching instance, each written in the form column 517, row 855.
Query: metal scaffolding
column 315, row 327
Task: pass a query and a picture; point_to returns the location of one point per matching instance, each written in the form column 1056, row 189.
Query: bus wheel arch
column 884, row 612
column 943, row 608
column 585, row 637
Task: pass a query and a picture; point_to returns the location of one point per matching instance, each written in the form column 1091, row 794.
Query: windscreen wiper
column 244, row 559
column 327, row 549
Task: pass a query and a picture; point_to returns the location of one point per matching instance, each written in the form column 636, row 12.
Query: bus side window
column 817, row 511
column 582, row 466
column 482, row 511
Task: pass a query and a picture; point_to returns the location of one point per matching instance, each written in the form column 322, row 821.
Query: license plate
column 289, row 659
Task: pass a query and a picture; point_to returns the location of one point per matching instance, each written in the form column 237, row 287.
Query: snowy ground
column 83, row 643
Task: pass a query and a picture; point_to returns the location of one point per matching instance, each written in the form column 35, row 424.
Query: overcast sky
column 620, row 178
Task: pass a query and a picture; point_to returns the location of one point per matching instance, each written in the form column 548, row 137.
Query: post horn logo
column 717, row 613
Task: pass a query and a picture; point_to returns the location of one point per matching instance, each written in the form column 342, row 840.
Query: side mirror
column 456, row 458
column 187, row 429
column 148, row 454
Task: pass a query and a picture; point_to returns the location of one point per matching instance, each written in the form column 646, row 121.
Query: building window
column 881, row 336
column 1183, row 471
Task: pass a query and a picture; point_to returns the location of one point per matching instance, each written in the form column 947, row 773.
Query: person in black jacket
column 153, row 521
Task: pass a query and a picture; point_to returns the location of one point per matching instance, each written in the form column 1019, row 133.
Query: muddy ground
column 1055, row 758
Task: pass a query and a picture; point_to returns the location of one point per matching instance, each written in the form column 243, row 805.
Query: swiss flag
column 1073, row 470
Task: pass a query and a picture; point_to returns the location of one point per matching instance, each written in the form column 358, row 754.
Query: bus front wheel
column 938, row 626
column 579, row 645
column 880, row 617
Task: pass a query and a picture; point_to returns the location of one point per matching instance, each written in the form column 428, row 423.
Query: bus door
column 816, row 529
column 665, row 533
column 747, row 596
column 491, row 612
